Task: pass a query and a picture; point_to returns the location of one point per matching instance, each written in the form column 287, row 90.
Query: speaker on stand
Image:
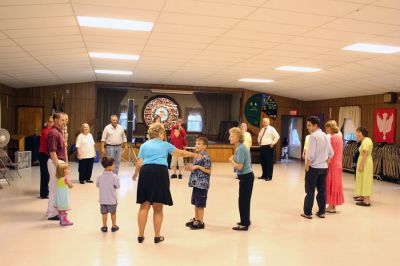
column 132, row 157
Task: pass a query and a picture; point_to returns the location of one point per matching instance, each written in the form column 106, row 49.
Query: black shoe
column 140, row 239
column 89, row 181
column 44, row 197
column 261, row 177
column 54, row 218
column 104, row 229
column 306, row 216
column 159, row 239
column 197, row 225
column 82, row 182
column 180, row 176
column 268, row 179
column 238, row 223
column 190, row 223
column 173, row 176
column 114, row 228
column 320, row 215
column 240, row 228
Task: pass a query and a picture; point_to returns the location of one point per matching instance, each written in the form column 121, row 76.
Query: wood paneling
column 285, row 105
column 368, row 105
column 8, row 97
column 79, row 103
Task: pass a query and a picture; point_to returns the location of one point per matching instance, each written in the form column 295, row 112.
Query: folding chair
column 8, row 163
column 4, row 171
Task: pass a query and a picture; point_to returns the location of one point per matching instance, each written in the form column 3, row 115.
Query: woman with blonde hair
column 334, row 186
column 241, row 162
column 153, row 184
column 86, row 154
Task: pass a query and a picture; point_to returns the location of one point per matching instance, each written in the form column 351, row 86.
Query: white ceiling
column 206, row 43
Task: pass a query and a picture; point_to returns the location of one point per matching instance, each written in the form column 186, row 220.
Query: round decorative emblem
column 164, row 106
column 257, row 104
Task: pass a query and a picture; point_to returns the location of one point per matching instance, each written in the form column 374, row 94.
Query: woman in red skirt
column 334, row 186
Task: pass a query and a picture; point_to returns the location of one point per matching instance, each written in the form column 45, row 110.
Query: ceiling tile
column 377, row 14
column 115, row 12
column 35, row 11
column 31, row 23
column 360, row 26
column 196, row 20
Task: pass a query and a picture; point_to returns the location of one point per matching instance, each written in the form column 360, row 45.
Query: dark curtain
column 108, row 103
column 216, row 108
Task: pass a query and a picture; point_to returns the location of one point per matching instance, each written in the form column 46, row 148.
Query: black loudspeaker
column 390, row 97
column 130, row 125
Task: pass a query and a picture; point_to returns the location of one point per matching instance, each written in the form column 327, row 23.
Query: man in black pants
column 267, row 138
column 43, row 158
column 318, row 153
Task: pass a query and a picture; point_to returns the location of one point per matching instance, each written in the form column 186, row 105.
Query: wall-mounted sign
column 385, row 120
column 165, row 107
column 258, row 104
column 293, row 112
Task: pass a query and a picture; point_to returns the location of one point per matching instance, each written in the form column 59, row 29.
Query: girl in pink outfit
column 62, row 193
column 334, row 186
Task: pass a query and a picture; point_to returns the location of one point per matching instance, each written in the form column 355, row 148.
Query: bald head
column 265, row 122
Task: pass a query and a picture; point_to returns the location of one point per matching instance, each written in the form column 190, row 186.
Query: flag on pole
column 54, row 107
column 62, row 104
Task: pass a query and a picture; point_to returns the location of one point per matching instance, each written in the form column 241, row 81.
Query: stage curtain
column 352, row 112
column 216, row 107
column 108, row 103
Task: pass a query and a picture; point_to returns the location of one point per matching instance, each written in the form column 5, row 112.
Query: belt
column 113, row 145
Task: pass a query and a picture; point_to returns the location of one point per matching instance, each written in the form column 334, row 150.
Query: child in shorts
column 108, row 182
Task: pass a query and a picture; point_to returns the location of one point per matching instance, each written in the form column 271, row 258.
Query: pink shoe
column 64, row 220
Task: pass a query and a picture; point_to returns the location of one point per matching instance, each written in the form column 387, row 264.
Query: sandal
column 114, row 228
column 362, row 203
column 104, row 229
column 158, row 239
column 140, row 239
column 358, row 198
column 330, row 211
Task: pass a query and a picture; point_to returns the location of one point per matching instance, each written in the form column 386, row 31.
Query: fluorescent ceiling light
column 298, row 69
column 113, row 23
column 256, row 80
column 131, row 57
column 113, row 72
column 171, row 91
column 372, row 48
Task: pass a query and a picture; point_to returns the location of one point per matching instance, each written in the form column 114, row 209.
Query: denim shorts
column 199, row 197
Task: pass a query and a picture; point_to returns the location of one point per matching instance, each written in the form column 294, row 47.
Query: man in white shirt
column 267, row 138
column 112, row 140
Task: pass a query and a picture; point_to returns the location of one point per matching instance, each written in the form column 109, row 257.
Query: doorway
column 292, row 135
column 30, row 120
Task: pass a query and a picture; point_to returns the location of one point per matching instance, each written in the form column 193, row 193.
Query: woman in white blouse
column 247, row 136
column 86, row 154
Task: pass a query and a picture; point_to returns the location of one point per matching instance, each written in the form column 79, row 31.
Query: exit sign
column 293, row 112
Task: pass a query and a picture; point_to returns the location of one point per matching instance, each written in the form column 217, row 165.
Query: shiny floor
column 278, row 235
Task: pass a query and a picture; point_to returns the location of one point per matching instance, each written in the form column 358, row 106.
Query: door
column 30, row 120
column 292, row 133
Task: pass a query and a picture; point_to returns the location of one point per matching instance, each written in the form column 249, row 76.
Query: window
column 349, row 130
column 194, row 120
column 123, row 120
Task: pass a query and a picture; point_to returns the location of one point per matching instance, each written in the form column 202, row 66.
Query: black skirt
column 153, row 185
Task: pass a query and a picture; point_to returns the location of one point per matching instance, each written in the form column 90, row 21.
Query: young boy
column 200, row 181
column 107, row 183
column 180, row 143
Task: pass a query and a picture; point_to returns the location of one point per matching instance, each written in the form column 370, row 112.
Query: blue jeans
column 114, row 152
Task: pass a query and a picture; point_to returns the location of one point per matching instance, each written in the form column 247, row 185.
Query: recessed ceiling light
column 372, row 48
column 298, row 69
column 112, row 23
column 256, row 80
column 132, row 57
column 113, row 72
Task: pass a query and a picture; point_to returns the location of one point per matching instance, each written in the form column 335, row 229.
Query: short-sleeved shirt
column 56, row 143
column 155, row 151
column 43, row 140
column 113, row 135
column 242, row 156
column 248, row 141
column 198, row 178
column 107, row 183
column 86, row 145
